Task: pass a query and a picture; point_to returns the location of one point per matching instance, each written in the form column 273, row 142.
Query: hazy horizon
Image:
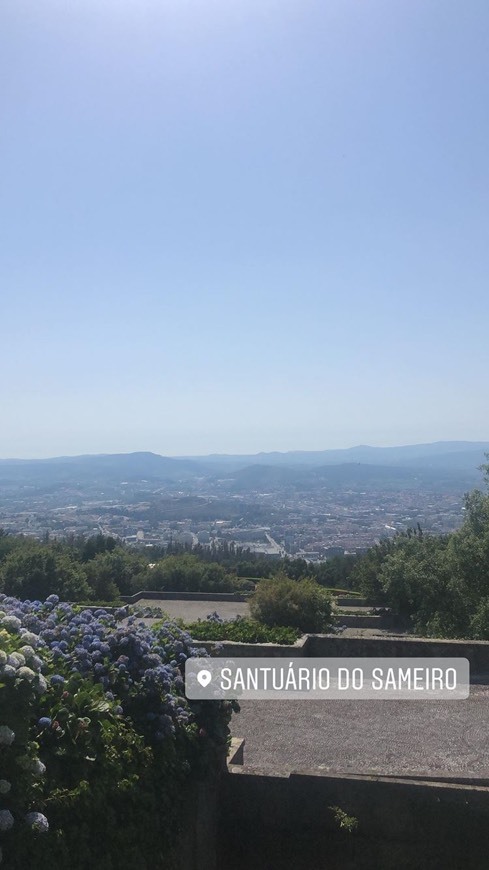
column 474, row 443
column 243, row 227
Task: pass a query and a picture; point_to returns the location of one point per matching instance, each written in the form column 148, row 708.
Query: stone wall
column 334, row 646
column 232, row 649
column 268, row 820
column 357, row 620
column 185, row 596
column 476, row 651
column 350, row 601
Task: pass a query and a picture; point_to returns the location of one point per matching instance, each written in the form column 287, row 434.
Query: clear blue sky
column 242, row 225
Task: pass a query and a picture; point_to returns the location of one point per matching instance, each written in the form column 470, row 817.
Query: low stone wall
column 232, row 649
column 349, row 600
column 336, row 646
column 476, row 651
column 353, row 620
column 185, row 596
column 270, row 820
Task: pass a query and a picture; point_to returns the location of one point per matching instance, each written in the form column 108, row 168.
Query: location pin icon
column 204, row 678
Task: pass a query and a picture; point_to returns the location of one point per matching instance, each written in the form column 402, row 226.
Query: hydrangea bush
column 97, row 739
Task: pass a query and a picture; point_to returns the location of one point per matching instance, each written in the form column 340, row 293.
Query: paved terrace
column 434, row 738
column 191, row 611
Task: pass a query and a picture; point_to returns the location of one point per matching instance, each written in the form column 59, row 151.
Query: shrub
column 303, row 605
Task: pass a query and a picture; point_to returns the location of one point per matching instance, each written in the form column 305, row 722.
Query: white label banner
column 411, row 679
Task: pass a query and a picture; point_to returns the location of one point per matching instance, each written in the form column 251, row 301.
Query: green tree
column 175, row 574
column 336, row 572
column 296, row 569
column 365, row 573
column 36, row 571
column 8, row 543
column 88, row 548
column 113, row 573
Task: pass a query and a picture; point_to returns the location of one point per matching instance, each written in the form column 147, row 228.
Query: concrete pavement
column 435, row 738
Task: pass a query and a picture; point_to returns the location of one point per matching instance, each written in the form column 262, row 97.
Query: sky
column 242, row 225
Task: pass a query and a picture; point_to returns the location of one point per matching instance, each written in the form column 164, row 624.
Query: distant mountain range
column 443, row 461
column 440, row 454
column 111, row 466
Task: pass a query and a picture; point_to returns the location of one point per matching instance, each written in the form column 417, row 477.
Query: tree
column 36, row 571
column 90, row 547
column 8, row 543
column 336, row 572
column 365, row 574
column 113, row 573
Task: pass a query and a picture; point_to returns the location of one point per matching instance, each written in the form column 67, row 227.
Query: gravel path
column 384, row 737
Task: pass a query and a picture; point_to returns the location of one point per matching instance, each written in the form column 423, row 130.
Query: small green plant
column 343, row 820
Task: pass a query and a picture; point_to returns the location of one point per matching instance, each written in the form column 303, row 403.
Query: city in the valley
column 308, row 505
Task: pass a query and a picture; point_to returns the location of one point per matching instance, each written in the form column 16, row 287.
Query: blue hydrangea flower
column 38, row 822
column 6, row 820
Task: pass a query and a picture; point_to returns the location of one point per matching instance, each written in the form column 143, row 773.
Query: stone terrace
column 435, row 738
